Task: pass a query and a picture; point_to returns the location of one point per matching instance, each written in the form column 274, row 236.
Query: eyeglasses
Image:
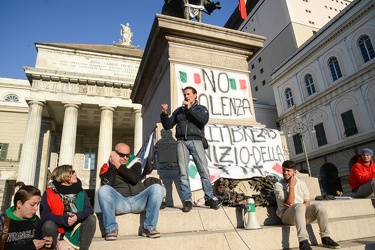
column 72, row 172
column 122, row 155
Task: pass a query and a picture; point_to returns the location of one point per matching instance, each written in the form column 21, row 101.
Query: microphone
column 184, row 106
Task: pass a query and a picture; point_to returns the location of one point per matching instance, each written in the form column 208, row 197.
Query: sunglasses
column 72, row 172
column 122, row 155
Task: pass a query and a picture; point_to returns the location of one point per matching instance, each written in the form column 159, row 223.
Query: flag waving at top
column 242, row 9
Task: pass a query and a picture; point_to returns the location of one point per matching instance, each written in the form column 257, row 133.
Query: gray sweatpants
column 365, row 190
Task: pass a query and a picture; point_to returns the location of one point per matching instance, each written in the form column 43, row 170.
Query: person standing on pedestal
column 190, row 120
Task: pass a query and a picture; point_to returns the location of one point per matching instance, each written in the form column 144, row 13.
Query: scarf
column 58, row 196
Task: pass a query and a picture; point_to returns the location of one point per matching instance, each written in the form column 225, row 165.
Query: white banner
column 225, row 94
column 239, row 152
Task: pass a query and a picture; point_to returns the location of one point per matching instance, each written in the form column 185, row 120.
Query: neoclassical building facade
column 76, row 107
column 325, row 96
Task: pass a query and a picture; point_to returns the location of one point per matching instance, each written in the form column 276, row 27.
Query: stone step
column 268, row 237
column 173, row 220
column 357, row 244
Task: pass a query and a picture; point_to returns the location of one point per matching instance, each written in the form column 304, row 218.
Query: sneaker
column 187, row 206
column 213, row 203
column 112, row 235
column 328, row 242
column 304, row 245
column 151, row 234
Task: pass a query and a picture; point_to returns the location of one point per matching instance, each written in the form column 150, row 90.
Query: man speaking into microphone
column 190, row 120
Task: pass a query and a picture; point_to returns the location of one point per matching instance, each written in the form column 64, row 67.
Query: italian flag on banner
column 234, row 83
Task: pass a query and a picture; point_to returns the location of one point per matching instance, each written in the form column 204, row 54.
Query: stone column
column 69, row 133
column 138, row 140
column 26, row 170
column 43, row 160
column 105, row 145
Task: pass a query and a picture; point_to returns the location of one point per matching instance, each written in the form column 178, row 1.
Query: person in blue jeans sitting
column 123, row 192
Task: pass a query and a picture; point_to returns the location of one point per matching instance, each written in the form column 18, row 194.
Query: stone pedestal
column 213, row 60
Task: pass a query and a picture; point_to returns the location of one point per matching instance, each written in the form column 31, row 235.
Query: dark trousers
column 88, row 228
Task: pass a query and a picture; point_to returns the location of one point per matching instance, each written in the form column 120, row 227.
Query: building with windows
column 74, row 107
column 324, row 95
column 286, row 25
column 13, row 117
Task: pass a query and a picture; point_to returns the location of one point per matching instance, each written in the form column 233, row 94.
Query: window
column 3, row 151
column 349, row 123
column 254, row 77
column 264, row 82
column 366, row 48
column 334, row 68
column 320, row 134
column 309, row 84
column 261, row 71
column 256, row 88
column 297, row 143
column 289, row 97
column 252, row 66
column 90, row 159
column 11, row 98
column 259, row 59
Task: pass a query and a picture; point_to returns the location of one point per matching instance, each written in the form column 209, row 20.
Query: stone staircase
column 351, row 224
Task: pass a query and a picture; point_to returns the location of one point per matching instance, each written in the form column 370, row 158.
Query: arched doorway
column 330, row 181
column 352, row 161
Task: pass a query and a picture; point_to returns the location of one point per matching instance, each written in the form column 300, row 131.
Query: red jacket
column 361, row 173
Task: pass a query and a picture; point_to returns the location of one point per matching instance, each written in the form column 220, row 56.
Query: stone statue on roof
column 189, row 9
column 126, row 34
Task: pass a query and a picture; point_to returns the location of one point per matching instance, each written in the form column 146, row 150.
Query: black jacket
column 126, row 181
column 189, row 122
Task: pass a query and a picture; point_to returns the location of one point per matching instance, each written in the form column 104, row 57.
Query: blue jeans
column 196, row 150
column 112, row 203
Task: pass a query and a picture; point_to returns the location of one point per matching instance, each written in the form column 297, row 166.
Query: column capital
column 107, row 107
column 137, row 109
column 36, row 102
column 72, row 104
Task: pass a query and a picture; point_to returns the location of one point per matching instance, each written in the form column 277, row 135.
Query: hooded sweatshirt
column 361, row 173
column 21, row 233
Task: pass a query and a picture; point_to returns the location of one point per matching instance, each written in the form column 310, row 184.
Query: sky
column 26, row 22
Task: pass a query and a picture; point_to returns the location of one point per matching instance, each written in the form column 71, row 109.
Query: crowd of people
column 67, row 219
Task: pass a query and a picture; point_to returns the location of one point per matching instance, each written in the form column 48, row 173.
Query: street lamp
column 301, row 128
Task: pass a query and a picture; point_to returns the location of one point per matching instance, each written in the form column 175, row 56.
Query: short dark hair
column 24, row 193
column 192, row 89
column 289, row 164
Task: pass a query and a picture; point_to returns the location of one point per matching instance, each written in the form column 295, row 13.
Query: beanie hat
column 367, row 151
